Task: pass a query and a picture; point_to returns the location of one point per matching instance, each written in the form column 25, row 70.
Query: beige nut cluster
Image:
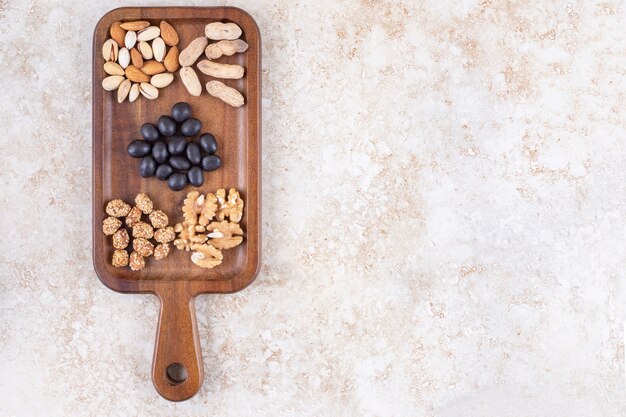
column 227, row 35
column 211, row 225
column 141, row 232
column 137, row 59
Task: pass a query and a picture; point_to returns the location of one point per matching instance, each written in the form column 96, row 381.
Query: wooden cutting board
column 176, row 280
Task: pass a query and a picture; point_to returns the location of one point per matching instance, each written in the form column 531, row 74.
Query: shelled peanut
column 137, row 59
column 227, row 35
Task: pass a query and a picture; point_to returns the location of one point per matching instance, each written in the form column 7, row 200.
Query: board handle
column 177, row 368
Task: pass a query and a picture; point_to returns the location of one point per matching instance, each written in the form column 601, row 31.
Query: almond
column 190, row 80
column 162, row 80
column 110, row 50
column 134, row 93
column 190, row 54
column 171, row 59
column 158, row 48
column 135, row 25
column 113, row 68
column 123, row 90
column 135, row 57
column 124, row 57
column 112, row 82
column 217, row 70
column 218, row 31
column 136, row 75
column 145, row 49
column 148, row 91
column 225, row 93
column 148, row 33
column 117, row 33
column 130, row 39
column 153, row 67
column 168, row 34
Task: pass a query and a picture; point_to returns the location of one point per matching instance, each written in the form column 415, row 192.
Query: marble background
column 444, row 219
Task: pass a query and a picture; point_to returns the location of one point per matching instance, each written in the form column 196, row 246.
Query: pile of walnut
column 206, row 230
column 229, row 43
column 142, row 232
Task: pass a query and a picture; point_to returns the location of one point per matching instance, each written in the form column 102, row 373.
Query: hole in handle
column 176, row 373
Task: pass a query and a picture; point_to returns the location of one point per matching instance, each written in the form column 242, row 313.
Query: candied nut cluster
column 110, row 225
column 117, row 208
column 141, row 232
column 205, row 229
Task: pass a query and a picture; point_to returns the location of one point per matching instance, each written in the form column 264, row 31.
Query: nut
column 162, row 80
column 224, row 235
column 124, row 58
column 158, row 219
column 112, row 82
column 231, row 208
column 120, row 258
column 121, row 239
column 161, row 251
column 134, row 93
column 192, row 205
column 225, row 93
column 142, row 229
column 133, row 216
column 145, row 49
column 136, row 58
column 168, row 34
column 136, row 75
column 148, row 91
column 110, row 225
column 158, row 48
column 227, row 47
column 190, row 54
column 117, row 208
column 218, row 31
column 130, row 39
column 191, row 81
column 209, row 208
column 153, row 67
column 110, row 50
column 171, row 59
column 123, row 90
column 143, row 247
column 206, row 256
column 135, row 25
column 137, row 262
column 117, row 33
column 214, row 69
column 165, row 235
column 148, row 33
column 113, row 68
column 144, row 203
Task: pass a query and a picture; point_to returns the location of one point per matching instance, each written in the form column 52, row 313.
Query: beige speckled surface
column 444, row 219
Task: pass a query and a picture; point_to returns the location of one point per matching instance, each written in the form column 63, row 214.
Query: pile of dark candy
column 166, row 153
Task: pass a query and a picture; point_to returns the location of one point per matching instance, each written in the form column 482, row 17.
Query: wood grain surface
column 176, row 280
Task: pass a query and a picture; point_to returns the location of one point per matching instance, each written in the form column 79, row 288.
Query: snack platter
column 144, row 181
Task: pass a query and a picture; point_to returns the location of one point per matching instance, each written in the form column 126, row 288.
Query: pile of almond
column 227, row 35
column 137, row 59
